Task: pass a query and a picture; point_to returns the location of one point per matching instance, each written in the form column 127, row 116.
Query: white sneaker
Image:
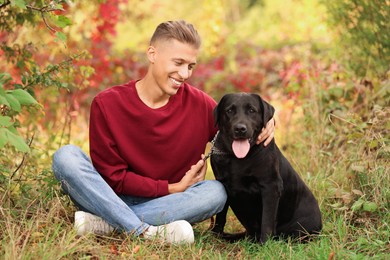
column 85, row 223
column 176, row 232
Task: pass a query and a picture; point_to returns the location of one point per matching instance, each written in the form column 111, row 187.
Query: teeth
column 178, row 83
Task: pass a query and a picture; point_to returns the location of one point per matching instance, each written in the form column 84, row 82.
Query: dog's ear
column 216, row 115
column 217, row 110
column 267, row 110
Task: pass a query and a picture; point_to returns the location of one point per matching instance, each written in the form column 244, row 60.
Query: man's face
column 172, row 63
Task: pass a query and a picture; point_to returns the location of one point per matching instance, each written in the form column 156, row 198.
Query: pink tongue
column 240, row 148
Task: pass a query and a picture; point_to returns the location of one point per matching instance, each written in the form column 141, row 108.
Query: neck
column 150, row 94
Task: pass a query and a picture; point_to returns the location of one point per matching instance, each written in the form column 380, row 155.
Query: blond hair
column 178, row 30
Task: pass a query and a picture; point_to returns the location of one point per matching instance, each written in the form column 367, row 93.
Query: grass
column 343, row 158
column 47, row 234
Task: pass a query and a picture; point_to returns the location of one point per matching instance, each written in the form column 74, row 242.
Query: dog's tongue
column 241, row 147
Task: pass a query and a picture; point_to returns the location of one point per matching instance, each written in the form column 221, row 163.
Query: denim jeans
column 90, row 193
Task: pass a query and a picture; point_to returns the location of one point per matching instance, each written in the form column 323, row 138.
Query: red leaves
column 101, row 39
column 293, row 70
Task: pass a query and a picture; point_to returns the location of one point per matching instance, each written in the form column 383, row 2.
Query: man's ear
column 151, row 53
column 268, row 111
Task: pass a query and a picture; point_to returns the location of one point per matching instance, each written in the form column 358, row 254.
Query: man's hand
column 267, row 133
column 196, row 174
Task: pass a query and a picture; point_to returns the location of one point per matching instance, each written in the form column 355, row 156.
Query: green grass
column 47, row 234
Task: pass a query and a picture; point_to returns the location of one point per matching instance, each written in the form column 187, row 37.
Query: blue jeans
column 89, row 191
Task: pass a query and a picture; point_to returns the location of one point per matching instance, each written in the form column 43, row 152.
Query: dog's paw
column 233, row 237
column 217, row 231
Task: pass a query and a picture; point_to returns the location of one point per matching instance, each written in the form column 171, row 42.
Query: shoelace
column 100, row 226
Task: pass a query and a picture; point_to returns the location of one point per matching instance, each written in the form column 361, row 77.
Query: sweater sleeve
column 111, row 166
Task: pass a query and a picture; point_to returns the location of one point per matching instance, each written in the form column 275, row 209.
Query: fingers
column 203, row 171
column 196, row 174
column 262, row 136
column 198, row 171
column 198, row 166
column 271, row 125
column 267, row 133
column 269, row 139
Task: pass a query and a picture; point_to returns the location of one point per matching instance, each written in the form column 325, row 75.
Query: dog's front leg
column 270, row 198
column 220, row 220
column 268, row 224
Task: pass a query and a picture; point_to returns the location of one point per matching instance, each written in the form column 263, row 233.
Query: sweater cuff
column 162, row 188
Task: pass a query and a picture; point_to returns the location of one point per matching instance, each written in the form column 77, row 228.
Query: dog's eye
column 229, row 111
column 251, row 110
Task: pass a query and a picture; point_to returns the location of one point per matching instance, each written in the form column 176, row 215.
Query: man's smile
column 176, row 82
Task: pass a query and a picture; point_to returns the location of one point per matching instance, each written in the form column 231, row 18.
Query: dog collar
column 214, row 150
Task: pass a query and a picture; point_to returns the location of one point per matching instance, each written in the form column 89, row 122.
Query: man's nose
column 184, row 72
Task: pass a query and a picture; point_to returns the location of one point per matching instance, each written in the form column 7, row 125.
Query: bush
column 363, row 29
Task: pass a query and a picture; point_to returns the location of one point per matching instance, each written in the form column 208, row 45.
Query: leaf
column 373, row 144
column 23, row 97
column 336, row 92
column 5, row 121
column 37, row 235
column 5, row 75
column 357, row 192
column 13, row 102
column 336, row 205
column 15, row 140
column 342, row 208
column 357, row 205
column 60, row 36
column 136, row 249
column 59, row 7
column 3, row 137
column 357, row 168
column 370, row 206
column 63, row 21
column 12, row 129
column 19, row 3
column 355, row 135
column 114, row 249
column 4, row 78
column 4, row 101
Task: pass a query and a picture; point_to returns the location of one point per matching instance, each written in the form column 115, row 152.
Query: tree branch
column 54, row 68
column 5, row 4
column 24, row 157
column 43, row 10
column 47, row 25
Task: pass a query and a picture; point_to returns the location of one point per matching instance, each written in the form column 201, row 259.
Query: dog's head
column 240, row 118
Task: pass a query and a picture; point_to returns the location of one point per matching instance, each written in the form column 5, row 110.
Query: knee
column 65, row 154
column 65, row 159
column 217, row 194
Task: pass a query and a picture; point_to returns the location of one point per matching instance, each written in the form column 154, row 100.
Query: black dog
column 264, row 191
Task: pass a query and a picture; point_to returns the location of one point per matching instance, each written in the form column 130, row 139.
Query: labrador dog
column 264, row 191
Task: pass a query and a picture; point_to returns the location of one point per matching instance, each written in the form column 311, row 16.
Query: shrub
column 363, row 29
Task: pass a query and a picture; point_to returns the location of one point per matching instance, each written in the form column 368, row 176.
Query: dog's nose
column 240, row 129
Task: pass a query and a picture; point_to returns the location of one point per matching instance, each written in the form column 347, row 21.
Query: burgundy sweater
column 139, row 150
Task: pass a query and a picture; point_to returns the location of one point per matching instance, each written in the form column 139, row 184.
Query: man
column 146, row 143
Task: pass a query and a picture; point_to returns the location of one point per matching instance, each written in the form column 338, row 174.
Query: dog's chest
column 238, row 176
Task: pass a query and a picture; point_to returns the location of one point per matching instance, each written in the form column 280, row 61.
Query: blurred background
column 323, row 65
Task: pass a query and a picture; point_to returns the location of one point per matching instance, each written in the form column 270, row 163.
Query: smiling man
column 147, row 139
